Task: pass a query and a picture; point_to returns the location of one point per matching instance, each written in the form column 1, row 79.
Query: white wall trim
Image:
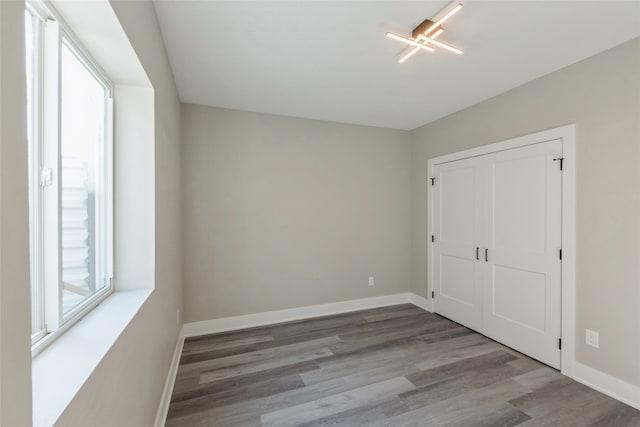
column 567, row 134
column 165, row 400
column 607, row 384
column 568, row 354
column 421, row 302
column 279, row 316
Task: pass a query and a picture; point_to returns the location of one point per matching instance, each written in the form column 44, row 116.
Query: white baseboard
column 287, row 315
column 165, row 400
column 421, row 302
column 605, row 383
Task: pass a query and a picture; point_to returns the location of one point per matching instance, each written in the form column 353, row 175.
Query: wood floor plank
column 580, row 404
column 390, row 326
column 331, row 367
column 363, row 376
column 450, row 356
column 458, row 385
column 317, row 325
column 476, row 407
column 454, row 343
column 451, row 370
column 453, row 331
column 203, row 356
column 195, row 347
column 409, row 311
column 192, row 391
column 258, row 355
column 221, row 337
column 237, row 393
column 389, row 366
column 372, row 341
column 618, row 415
column 585, row 411
column 310, row 411
column 361, row 415
column 263, row 365
column 234, row 414
column 538, row 377
column 526, row 365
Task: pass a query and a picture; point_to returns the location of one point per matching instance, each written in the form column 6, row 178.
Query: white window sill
column 61, row 369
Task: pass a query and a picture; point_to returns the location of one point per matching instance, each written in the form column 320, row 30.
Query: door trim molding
column 567, row 134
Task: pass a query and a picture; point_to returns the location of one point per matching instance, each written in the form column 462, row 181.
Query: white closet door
column 522, row 294
column 456, row 272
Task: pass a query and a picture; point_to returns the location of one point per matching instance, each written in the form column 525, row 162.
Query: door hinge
column 433, row 181
column 433, row 294
column 560, row 254
column 433, row 238
column 560, row 159
column 559, row 343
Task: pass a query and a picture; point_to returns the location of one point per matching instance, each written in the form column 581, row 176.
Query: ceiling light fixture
column 423, row 36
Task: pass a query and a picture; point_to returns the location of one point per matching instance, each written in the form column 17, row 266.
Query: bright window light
column 82, row 142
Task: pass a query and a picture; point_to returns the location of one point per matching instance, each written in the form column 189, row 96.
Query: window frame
column 51, row 35
column 35, row 197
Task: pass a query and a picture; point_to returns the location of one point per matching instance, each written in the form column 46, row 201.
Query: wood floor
column 391, row 366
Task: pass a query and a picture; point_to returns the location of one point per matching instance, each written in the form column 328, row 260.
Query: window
column 69, row 103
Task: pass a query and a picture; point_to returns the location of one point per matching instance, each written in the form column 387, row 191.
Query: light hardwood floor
column 391, row 366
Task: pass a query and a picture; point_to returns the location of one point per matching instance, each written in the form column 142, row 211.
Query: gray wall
column 282, row 212
column 602, row 96
column 15, row 321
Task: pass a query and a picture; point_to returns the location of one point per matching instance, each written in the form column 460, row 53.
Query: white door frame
column 567, row 134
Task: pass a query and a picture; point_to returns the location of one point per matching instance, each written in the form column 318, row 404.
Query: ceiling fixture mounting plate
column 422, row 28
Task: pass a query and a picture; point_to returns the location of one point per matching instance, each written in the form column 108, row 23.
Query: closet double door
column 496, row 250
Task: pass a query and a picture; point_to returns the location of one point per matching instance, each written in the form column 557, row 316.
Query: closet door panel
column 522, row 295
column 456, row 277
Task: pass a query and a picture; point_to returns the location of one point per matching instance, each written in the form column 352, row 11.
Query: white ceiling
column 330, row 60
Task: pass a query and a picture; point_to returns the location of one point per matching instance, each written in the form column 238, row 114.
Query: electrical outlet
column 371, row 281
column 592, row 338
